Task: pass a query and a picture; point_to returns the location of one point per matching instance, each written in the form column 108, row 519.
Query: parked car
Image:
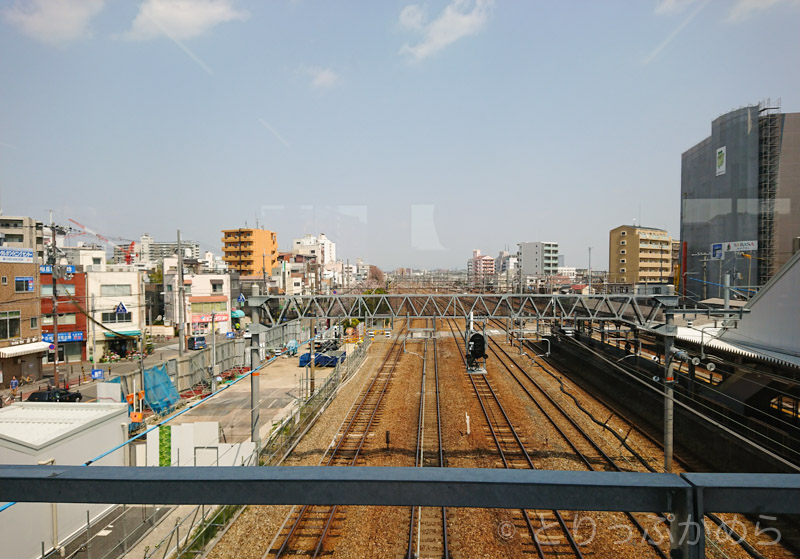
column 197, row 342
column 55, row 395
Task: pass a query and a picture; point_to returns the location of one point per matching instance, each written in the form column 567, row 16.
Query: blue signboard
column 121, row 309
column 230, row 335
column 240, row 299
column 64, row 337
column 98, row 374
column 716, row 251
column 48, row 269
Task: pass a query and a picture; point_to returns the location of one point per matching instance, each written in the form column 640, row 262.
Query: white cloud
column 53, row 21
column 322, row 77
column 459, row 19
column 743, row 9
column 182, row 19
column 412, row 17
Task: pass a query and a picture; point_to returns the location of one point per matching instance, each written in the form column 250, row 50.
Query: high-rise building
column 639, row 255
column 538, row 258
column 742, row 183
column 250, row 251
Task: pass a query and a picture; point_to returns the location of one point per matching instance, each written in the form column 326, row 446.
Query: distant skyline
column 409, row 133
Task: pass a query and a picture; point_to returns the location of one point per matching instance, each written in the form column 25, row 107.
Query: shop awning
column 131, row 333
column 24, row 349
column 237, row 314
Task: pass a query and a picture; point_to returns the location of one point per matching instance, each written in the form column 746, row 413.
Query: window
column 622, row 279
column 623, row 242
column 5, row 280
column 96, row 261
column 9, row 325
column 66, row 318
column 115, row 290
column 23, row 284
column 169, row 287
column 622, row 251
column 216, row 288
column 61, row 289
column 623, row 233
column 622, row 261
column 622, row 270
column 34, row 323
column 112, row 317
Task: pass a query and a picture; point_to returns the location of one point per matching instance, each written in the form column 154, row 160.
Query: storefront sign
column 741, row 246
column 64, row 337
column 16, row 255
column 207, row 317
column 24, row 341
column 48, row 269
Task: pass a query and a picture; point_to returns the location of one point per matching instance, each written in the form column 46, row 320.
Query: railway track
column 590, row 454
column 735, row 537
column 307, row 530
column 513, row 454
column 427, row 532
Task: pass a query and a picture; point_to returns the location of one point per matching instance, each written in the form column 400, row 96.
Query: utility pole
column 213, row 352
column 94, row 335
column 264, row 270
column 53, row 277
column 313, row 358
column 590, row 270
column 255, row 361
column 181, row 303
column 669, row 382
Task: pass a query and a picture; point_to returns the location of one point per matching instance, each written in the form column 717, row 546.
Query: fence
column 199, row 525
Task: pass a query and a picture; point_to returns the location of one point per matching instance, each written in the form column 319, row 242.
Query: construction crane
column 128, row 250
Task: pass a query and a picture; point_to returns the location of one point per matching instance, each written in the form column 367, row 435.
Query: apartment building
column 538, row 258
column 639, row 255
column 250, row 252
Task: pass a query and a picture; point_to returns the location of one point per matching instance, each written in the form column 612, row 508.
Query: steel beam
column 451, row 487
column 747, row 493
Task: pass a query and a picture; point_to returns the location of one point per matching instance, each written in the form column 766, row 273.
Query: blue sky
column 409, row 133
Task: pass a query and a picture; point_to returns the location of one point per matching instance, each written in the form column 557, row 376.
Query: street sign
column 230, row 335
column 98, row 374
column 741, row 246
column 716, row 251
column 240, row 299
column 120, row 309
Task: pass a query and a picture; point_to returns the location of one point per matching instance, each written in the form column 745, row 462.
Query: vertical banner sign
column 716, row 251
column 721, row 160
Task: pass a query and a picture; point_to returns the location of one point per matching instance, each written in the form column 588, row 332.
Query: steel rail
column 735, row 536
column 570, row 539
column 642, row 530
column 393, row 350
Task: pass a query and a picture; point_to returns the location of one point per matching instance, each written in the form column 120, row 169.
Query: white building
column 115, row 299
column 91, row 257
column 207, row 298
column 568, row 271
column 68, row 434
column 538, row 258
column 321, row 247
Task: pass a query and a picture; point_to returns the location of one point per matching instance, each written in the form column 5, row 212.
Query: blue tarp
column 159, row 392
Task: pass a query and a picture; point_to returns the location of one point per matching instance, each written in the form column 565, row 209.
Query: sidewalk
column 78, row 373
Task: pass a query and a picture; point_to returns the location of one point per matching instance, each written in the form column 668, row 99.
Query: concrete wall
column 693, row 436
column 787, row 203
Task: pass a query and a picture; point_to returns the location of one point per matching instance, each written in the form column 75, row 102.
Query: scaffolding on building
column 769, row 129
